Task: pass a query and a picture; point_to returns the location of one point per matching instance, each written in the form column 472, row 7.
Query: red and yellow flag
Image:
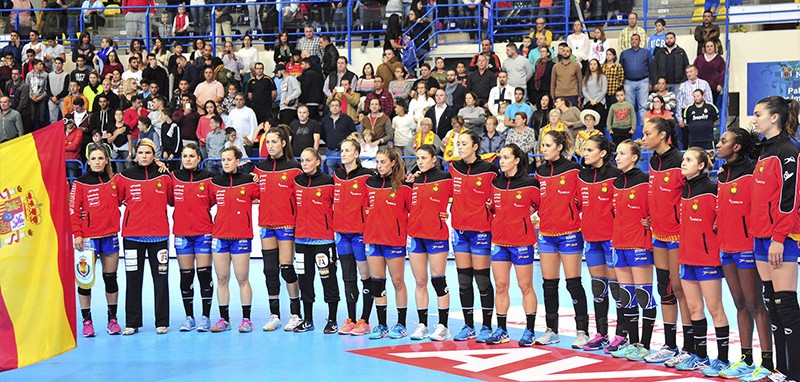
column 37, row 284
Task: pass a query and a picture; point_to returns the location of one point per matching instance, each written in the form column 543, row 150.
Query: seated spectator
column 589, row 118
column 215, row 142
column 518, row 105
column 368, row 149
column 450, row 153
column 621, row 119
column 146, row 130
column 420, row 103
column 423, row 136
column 379, row 123
column 554, row 123
column 492, row 140
column 661, row 89
column 522, row 135
column 658, row 109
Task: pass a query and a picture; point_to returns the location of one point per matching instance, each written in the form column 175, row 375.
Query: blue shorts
column 598, row 253
column 569, row 244
column 516, row 255
column 624, row 258
column 669, row 245
column 700, row 273
column 350, row 244
column 387, row 251
column 232, row 246
column 791, row 250
column 472, row 242
column 104, row 245
column 743, row 260
column 416, row 245
column 191, row 245
column 282, row 234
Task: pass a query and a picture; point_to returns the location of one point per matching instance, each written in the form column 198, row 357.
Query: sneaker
column 130, row 331
column 484, row 334
column 273, row 324
column 398, row 331
column 221, row 326
column 679, row 357
column 188, row 324
column 204, row 324
column 467, row 333
column 294, row 320
column 737, row 370
column 362, row 328
column 715, row 367
column 693, row 363
column 775, row 376
column 527, row 338
column 615, row 344
column 638, row 353
column 441, row 333
column 580, row 340
column 757, row 373
column 246, row 326
column 662, row 355
column 599, row 342
column 162, row 330
column 113, row 327
column 88, row 329
column 549, row 337
column 348, row 327
column 380, row 331
column 305, row 326
column 500, row 336
column 623, row 351
column 331, row 327
column 420, row 333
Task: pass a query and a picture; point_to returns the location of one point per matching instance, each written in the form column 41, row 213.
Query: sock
column 367, row 299
column 789, row 310
column 351, row 310
column 700, row 328
column 275, row 307
column 648, row 322
column 86, row 313
column 723, row 334
column 671, row 335
column 224, row 314
column 444, row 315
column 469, row 316
column 112, row 312
column 688, row 339
column 381, row 309
column 748, row 356
column 530, row 321
column 501, row 321
column 308, row 311
column 766, row 360
column 632, row 318
column 333, row 309
column 423, row 316
column 188, row 307
column 246, row 311
column 294, row 306
column 401, row 315
column 487, row 316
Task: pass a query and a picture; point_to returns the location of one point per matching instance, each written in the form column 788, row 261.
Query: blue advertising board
column 764, row 79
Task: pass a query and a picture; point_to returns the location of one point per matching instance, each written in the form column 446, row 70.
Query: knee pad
column 769, row 293
column 664, row 288
column 378, row 287
column 206, row 281
column 465, row 276
column 599, row 288
column 550, row 287
column 288, row 273
column 187, row 280
column 84, row 292
column 575, row 288
column 271, row 265
column 644, row 295
column 348, row 268
column 110, row 279
column 483, row 281
column 627, row 296
column 440, row 286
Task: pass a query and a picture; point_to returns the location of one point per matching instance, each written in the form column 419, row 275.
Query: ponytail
column 603, row 144
column 787, row 110
column 398, row 170
column 283, row 133
column 702, row 157
column 100, row 147
column 746, row 140
column 562, row 138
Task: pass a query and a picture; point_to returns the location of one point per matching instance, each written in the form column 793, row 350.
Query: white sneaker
column 162, row 330
column 549, row 337
column 681, row 357
column 581, row 339
column 293, row 322
column 442, row 333
column 420, row 333
column 273, row 324
column 662, row 355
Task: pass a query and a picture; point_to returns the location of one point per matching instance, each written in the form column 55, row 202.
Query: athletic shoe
column 715, row 367
column 775, row 376
column 680, row 357
column 693, row 363
column 662, row 355
column 615, row 344
column 273, row 324
column 398, row 331
column 294, row 320
column 737, row 369
column 130, row 331
column 623, row 351
column 580, row 340
column 757, row 373
column 500, row 336
column 599, row 342
column 331, row 327
column 638, row 353
column 420, row 333
column 305, row 326
column 113, row 327
column 548, row 338
column 467, row 333
column 380, row 331
column 348, row 327
column 88, row 329
column 527, row 338
column 361, row 328
column 484, row 334
column 246, row 326
column 441, row 333
column 221, row 326
column 204, row 324
column 188, row 324
column 162, row 330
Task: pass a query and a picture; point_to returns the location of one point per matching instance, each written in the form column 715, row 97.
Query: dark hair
column 193, row 146
column 473, row 136
column 58, row 58
column 325, row 38
column 398, row 170
column 634, row 147
column 663, row 104
column 428, row 148
column 522, row 166
column 699, row 90
column 614, row 52
column 670, row 33
column 664, row 126
column 662, row 22
column 787, row 110
column 284, row 135
column 425, row 65
column 746, row 140
column 561, row 138
column 217, row 119
column 145, row 120
column 236, row 152
column 78, row 102
column 522, row 114
column 229, row 130
column 603, row 144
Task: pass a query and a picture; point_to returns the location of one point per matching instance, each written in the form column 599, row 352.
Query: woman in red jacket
column 428, row 236
column 387, row 204
column 145, row 232
column 314, row 240
column 94, row 213
column 276, row 217
column 514, row 196
column 560, row 238
column 472, row 237
column 596, row 182
column 349, row 192
column 233, row 192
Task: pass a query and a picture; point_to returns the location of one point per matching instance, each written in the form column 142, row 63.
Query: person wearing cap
column 590, row 119
column 289, row 94
column 294, row 67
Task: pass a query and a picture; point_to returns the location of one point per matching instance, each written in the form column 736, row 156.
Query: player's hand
column 78, row 243
column 776, row 254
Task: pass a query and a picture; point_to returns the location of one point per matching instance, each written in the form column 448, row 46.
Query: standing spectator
column 10, row 121
column 518, row 68
column 541, row 117
column 394, row 34
column 595, row 86
column 51, row 51
column 418, row 104
column 283, row 49
column 386, row 70
column 133, row 69
column 669, row 98
column 232, row 62
column 707, row 31
column 686, row 94
column 383, row 96
column 171, row 141
column 306, row 132
column 14, row 47
column 72, row 147
column 93, row 89
column 58, row 85
column 400, row 88
column 621, row 119
column 439, row 72
column 21, row 10
column 102, row 116
column 566, row 78
column 244, row 120
column 417, row 30
column 223, row 20
column 599, row 46
column 454, row 90
column 188, row 119
column 261, row 92
column 502, row 93
column 636, row 63
column 85, row 48
column 310, row 42
column 289, row 95
column 535, row 54
column 348, row 98
column 658, row 39
column 335, row 78
column 441, row 114
column 371, row 21
column 366, row 83
column 615, row 75
column 186, row 71
column 404, row 127
column 81, row 72
column 699, row 121
column 35, row 44
column 711, row 67
column 519, row 105
column 330, row 55
column 670, row 62
column 73, row 94
column 579, row 42
column 336, row 127
column 379, row 124
column 210, row 89
column 18, row 91
column 570, row 115
column 155, row 73
column 632, row 29
column 132, row 115
column 215, row 142
column 543, row 74
column 481, row 81
column 249, row 56
column 82, row 119
column 135, row 16
column 432, row 84
column 311, row 86
column 542, row 30
column 207, row 59
column 486, row 50
column 474, row 115
column 111, row 64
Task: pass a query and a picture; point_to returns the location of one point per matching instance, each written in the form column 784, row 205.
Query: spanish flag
column 37, row 284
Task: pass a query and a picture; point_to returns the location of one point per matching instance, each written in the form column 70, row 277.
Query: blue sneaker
column 527, row 338
column 398, row 331
column 467, row 333
column 757, row 374
column 188, row 324
column 693, row 363
column 715, row 367
column 484, row 334
column 500, row 336
column 737, row 370
column 204, row 324
column 380, row 331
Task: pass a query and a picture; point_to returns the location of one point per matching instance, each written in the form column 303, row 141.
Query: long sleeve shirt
column 595, row 89
column 625, row 37
column 685, row 95
column 636, row 63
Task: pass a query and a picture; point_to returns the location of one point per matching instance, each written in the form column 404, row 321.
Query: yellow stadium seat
column 112, row 10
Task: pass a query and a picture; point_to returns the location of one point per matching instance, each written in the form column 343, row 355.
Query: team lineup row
column 674, row 218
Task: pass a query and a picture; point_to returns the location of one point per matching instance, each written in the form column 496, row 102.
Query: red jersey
column 94, row 206
column 349, row 195
column 734, row 196
column 430, row 195
column 512, row 199
column 597, row 202
column 387, row 212
column 314, row 206
column 192, row 215
column 630, row 207
column 472, row 187
column 664, row 195
column 774, row 203
column 233, row 195
column 146, row 194
column 698, row 219
column 276, row 182
column 558, row 191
